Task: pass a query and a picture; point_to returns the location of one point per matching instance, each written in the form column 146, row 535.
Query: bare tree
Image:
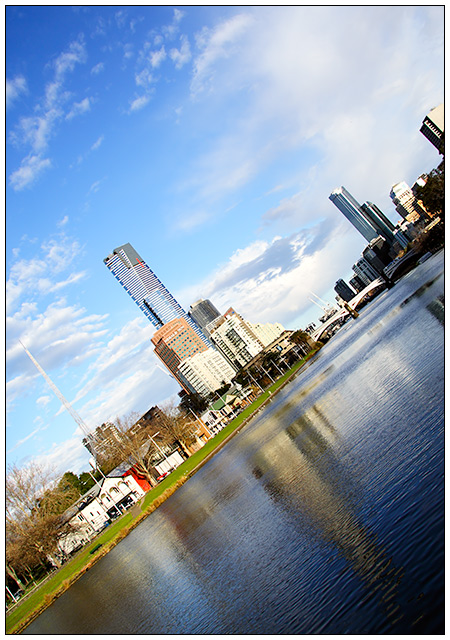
column 34, row 504
column 134, row 445
column 177, row 428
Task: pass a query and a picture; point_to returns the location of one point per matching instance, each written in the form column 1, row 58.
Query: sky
column 210, row 138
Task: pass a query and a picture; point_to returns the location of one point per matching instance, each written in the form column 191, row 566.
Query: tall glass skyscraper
column 352, row 210
column 148, row 292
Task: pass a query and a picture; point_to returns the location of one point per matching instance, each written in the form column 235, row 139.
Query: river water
column 324, row 515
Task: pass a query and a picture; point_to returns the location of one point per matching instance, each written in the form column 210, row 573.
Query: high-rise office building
column 235, row 339
column 344, row 291
column 406, row 203
column 377, row 254
column 148, row 292
column 207, row 371
column 356, row 283
column 352, row 210
column 174, row 342
column 203, row 312
column 365, row 271
column 379, row 221
column 433, row 126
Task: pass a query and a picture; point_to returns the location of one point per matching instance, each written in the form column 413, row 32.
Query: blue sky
column 210, row 139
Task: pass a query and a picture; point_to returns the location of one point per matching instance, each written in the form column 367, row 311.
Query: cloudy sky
column 210, row 139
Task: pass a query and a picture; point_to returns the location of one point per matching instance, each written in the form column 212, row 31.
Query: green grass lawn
column 58, row 582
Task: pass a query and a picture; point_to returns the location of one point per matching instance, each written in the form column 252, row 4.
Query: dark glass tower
column 352, row 210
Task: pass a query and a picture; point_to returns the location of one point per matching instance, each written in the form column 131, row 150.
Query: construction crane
column 84, row 428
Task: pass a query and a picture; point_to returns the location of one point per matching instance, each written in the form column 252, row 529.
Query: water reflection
column 295, row 469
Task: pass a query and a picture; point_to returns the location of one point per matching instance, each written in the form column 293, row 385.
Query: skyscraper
column 148, row 292
column 203, row 312
column 352, row 210
column 343, row 290
column 174, row 342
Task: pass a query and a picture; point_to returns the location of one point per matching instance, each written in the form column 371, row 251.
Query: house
column 105, row 501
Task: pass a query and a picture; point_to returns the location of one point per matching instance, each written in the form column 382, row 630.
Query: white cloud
column 95, row 186
column 144, row 78
column 68, row 455
column 139, row 103
column 157, row 57
column 216, row 44
column 63, row 221
column 181, row 56
column 170, row 30
column 331, row 99
column 78, row 108
column 30, row 277
column 75, row 54
column 43, row 401
column 120, row 17
column 98, row 68
column 271, row 281
column 32, row 166
column 37, row 130
column 97, row 143
column 14, row 89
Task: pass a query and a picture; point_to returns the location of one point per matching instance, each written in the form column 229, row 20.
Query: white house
column 107, row 500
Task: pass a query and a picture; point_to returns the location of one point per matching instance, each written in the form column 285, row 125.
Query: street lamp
column 161, row 451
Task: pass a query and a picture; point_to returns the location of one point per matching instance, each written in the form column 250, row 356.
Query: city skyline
column 209, row 138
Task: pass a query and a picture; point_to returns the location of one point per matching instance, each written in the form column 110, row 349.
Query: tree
column 134, row 445
column 176, row 428
column 34, row 503
column 432, row 194
column 194, row 402
column 86, row 482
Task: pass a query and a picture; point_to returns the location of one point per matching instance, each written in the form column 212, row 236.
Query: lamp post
column 200, row 420
column 161, row 451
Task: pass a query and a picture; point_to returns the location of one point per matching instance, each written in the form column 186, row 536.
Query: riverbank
column 32, row 605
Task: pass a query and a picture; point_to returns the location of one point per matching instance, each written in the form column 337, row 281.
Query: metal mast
column 59, row 395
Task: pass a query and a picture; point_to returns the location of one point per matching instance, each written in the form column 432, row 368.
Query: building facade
column 351, row 209
column 174, row 342
column 380, row 222
column 343, row 290
column 197, row 368
column 406, row 203
column 207, row 371
column 267, row 332
column 153, row 299
column 235, row 339
column 433, row 126
column 365, row 271
column 203, row 312
column 100, row 441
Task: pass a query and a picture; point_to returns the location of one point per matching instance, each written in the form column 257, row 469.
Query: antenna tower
column 86, row 431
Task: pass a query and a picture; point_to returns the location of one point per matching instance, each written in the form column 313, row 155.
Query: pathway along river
column 324, row 515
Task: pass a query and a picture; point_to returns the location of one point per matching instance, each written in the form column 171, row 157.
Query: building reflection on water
column 298, row 468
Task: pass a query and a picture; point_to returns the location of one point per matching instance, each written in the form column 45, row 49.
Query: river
column 325, row 514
